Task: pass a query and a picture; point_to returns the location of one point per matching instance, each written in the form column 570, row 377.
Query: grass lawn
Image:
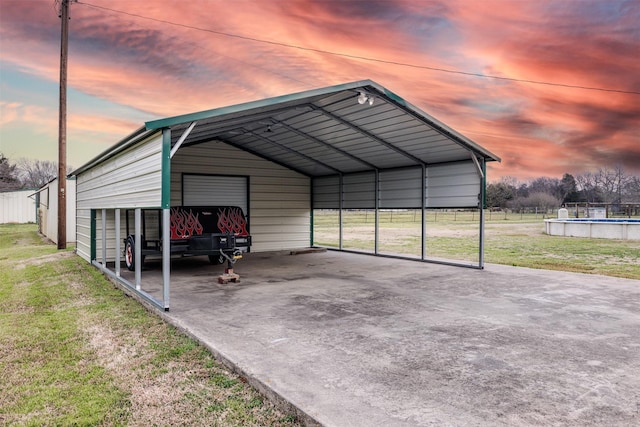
column 74, row 350
column 511, row 239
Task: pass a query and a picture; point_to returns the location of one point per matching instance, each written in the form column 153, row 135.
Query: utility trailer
column 220, row 232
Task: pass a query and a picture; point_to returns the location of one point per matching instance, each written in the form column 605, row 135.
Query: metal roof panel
column 323, row 131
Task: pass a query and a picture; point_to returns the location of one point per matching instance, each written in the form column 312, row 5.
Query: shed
column 48, row 210
column 17, row 207
column 351, row 146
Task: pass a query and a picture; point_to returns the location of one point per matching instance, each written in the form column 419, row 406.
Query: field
column 510, row 238
column 74, row 350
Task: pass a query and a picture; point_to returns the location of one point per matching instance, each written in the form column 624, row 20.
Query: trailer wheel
column 130, row 254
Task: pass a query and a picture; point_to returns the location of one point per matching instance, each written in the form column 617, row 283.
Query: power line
column 362, row 58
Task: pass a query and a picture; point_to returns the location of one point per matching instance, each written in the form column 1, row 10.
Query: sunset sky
column 132, row 61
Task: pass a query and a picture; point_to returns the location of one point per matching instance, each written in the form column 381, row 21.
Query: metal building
column 48, row 210
column 350, row 146
column 17, row 207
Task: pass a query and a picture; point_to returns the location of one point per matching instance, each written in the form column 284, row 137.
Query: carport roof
column 352, row 127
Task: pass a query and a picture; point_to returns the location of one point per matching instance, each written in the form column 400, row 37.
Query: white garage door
column 215, row 190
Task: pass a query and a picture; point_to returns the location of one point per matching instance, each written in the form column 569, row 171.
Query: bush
column 541, row 201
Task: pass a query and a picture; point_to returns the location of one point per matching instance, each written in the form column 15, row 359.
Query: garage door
column 215, row 190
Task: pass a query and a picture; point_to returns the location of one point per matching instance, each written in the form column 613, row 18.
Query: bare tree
column 611, row 182
column 632, row 190
column 588, row 187
column 9, row 179
column 36, row 173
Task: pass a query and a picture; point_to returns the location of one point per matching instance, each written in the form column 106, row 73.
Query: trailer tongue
column 220, row 232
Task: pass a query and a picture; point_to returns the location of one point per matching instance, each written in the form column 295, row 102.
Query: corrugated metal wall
column 129, row 179
column 279, row 198
column 453, row 185
column 215, row 190
column 83, row 233
column 49, row 211
column 17, row 207
column 450, row 185
column 401, row 189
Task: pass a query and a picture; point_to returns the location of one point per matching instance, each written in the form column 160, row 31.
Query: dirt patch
column 153, row 399
column 43, row 259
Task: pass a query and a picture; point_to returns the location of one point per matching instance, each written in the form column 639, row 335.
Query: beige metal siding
column 111, row 242
column 215, row 190
column 83, row 233
column 279, row 198
column 17, row 207
column 49, row 211
column 130, row 179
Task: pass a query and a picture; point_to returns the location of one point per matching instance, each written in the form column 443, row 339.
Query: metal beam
column 324, row 144
column 475, row 160
column 184, row 136
column 370, row 135
column 291, row 150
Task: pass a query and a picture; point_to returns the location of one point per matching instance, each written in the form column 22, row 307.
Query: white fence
column 17, row 207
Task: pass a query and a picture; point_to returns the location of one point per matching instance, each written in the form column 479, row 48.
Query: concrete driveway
column 355, row 340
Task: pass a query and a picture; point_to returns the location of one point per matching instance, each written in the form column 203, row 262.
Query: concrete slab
column 355, row 340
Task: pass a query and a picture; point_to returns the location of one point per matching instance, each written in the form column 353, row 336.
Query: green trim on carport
column 166, row 168
column 268, row 102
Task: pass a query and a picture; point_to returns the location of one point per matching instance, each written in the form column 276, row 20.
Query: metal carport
column 360, row 146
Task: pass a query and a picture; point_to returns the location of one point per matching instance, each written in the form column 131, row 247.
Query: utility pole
column 62, row 128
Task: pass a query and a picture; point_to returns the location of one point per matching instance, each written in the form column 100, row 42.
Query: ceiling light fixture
column 365, row 97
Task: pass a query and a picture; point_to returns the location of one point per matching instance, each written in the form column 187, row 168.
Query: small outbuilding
column 17, row 207
column 350, row 146
column 47, row 197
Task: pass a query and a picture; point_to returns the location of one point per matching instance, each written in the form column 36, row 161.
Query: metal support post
column 116, row 220
column 483, row 184
column 166, row 256
column 423, row 254
column 340, row 204
column 104, row 236
column 377, row 215
column 138, row 248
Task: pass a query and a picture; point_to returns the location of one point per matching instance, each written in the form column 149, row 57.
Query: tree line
column 25, row 174
column 606, row 185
